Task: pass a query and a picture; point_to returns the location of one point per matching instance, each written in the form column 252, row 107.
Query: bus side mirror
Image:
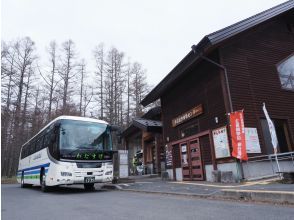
column 114, row 128
column 54, row 133
column 53, row 138
column 117, row 131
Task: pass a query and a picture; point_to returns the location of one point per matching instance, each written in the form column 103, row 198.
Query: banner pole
column 277, row 161
column 273, row 136
column 238, row 170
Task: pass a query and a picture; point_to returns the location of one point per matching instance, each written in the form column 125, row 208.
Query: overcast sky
column 157, row 34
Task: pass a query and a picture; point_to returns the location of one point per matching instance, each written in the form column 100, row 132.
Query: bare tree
column 129, row 77
column 139, row 88
column 37, row 116
column 87, row 99
column 20, row 56
column 114, row 85
column 100, row 63
column 7, row 86
column 67, row 72
column 25, row 105
column 50, row 78
column 83, row 89
column 33, row 94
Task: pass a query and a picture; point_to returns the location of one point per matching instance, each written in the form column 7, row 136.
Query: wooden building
column 239, row 67
column 145, row 135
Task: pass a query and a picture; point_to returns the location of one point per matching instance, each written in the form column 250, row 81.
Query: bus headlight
column 108, row 173
column 66, row 174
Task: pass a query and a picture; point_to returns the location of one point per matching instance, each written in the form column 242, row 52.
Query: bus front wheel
column 89, row 186
column 44, row 188
column 22, row 184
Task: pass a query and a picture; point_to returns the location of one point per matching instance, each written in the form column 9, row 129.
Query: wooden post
column 214, row 164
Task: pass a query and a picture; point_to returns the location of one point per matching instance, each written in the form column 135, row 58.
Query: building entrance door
column 195, row 160
column 185, row 161
column 192, row 168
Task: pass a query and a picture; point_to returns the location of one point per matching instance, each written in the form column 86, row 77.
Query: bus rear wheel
column 89, row 186
column 44, row 188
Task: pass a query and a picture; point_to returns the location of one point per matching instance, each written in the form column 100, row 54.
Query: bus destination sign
column 90, row 156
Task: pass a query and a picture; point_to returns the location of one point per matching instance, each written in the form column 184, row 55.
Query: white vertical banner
column 271, row 129
column 272, row 133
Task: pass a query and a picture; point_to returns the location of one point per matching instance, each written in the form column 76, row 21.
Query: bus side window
column 23, row 152
column 27, row 150
column 32, row 148
column 53, row 142
column 39, row 143
column 46, row 140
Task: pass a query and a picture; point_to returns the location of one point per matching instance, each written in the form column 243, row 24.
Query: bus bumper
column 81, row 177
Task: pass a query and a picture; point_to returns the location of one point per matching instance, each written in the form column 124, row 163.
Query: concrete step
column 125, row 180
column 259, row 195
column 143, row 176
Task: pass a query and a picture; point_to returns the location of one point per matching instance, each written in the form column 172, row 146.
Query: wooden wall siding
column 200, row 86
column 253, row 77
column 205, row 150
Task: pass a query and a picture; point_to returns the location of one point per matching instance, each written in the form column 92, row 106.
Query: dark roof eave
column 148, row 125
column 130, row 131
column 141, row 124
column 155, row 111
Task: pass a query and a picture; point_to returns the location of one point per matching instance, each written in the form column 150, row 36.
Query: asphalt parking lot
column 75, row 203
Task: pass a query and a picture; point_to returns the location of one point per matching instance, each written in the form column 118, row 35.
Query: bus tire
column 44, row 188
column 89, row 186
column 22, row 184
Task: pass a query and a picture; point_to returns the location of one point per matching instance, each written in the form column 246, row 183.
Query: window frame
column 277, row 66
column 39, row 145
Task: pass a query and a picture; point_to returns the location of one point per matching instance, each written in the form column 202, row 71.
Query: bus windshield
column 83, row 140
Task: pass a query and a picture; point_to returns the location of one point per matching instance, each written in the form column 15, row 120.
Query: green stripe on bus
column 32, row 177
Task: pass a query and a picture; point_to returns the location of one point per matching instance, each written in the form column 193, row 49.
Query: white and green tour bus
column 69, row 150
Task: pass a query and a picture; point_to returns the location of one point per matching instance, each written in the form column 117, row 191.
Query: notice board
column 252, row 140
column 221, row 143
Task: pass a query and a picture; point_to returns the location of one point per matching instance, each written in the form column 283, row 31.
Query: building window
column 286, row 73
column 283, row 136
column 189, row 131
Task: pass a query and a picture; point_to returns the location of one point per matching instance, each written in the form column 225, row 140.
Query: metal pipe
column 225, row 73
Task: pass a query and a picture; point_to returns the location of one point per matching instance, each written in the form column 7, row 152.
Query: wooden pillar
column 143, row 149
column 157, row 148
column 212, row 150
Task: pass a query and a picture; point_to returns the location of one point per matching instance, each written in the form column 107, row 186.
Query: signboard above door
column 198, row 110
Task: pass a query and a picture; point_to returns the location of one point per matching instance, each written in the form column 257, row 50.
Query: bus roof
column 66, row 117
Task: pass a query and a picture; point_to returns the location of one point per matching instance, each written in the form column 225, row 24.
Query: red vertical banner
column 238, row 135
